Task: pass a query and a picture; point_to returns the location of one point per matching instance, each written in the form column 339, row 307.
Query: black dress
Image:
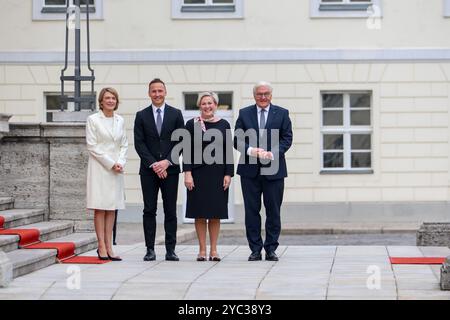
column 207, row 199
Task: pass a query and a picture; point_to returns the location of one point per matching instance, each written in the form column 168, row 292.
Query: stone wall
column 44, row 166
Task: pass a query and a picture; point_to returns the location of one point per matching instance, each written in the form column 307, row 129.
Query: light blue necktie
column 158, row 121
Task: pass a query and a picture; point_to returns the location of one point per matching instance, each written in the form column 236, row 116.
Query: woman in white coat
column 107, row 145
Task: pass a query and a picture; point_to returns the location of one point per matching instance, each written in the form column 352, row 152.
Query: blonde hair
column 102, row 94
column 211, row 94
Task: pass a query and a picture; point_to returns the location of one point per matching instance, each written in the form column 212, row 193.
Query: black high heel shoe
column 114, row 258
column 100, row 257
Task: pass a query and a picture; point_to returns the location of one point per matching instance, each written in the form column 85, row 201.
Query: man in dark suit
column 153, row 129
column 263, row 134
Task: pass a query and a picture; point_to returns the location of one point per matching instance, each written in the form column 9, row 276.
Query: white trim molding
column 40, row 14
column 180, row 11
column 319, row 9
column 234, row 56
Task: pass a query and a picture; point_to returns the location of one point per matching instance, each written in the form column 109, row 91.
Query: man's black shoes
column 150, row 256
column 255, row 256
column 271, row 256
column 171, row 256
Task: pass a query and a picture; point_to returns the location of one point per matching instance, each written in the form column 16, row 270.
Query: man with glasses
column 263, row 134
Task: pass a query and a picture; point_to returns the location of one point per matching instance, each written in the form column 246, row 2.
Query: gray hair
column 262, row 84
column 211, row 94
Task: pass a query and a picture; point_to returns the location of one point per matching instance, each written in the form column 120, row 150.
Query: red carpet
column 27, row 236
column 2, row 221
column 65, row 249
column 417, row 260
column 85, row 260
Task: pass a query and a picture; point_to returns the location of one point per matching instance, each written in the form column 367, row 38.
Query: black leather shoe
column 171, row 256
column 255, row 256
column 150, row 256
column 271, row 256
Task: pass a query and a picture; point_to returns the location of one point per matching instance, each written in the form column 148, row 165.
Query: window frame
column 41, row 11
column 346, row 130
column 180, row 10
column 345, row 9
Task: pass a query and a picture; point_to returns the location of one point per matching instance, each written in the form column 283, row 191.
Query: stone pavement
column 303, row 272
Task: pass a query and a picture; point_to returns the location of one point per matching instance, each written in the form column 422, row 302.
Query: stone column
column 445, row 275
column 6, row 270
column 44, row 166
column 4, row 124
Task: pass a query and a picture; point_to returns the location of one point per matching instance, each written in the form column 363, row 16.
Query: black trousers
column 151, row 185
column 272, row 193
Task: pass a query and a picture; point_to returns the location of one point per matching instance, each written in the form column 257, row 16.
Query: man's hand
column 162, row 175
column 160, row 166
column 256, row 151
column 266, row 155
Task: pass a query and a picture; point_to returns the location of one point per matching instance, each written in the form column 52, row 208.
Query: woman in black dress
column 207, row 173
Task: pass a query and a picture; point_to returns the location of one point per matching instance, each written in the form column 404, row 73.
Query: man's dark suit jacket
column 278, row 118
column 152, row 147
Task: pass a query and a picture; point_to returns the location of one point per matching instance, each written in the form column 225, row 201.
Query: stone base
column 435, row 234
column 6, row 270
column 84, row 226
column 445, row 275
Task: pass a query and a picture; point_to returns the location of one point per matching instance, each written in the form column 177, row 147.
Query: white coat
column 105, row 187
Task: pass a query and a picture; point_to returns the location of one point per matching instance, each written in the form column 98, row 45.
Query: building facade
column 366, row 83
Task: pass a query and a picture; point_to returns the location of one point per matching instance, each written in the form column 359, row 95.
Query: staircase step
column 49, row 230
column 6, row 203
column 28, row 260
column 84, row 242
column 21, row 217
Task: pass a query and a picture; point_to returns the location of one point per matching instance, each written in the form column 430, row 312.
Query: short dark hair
column 156, row 80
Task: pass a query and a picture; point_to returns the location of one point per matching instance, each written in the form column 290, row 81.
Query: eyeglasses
column 264, row 94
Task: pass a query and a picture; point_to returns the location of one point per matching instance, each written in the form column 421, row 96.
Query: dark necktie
column 262, row 122
column 158, row 121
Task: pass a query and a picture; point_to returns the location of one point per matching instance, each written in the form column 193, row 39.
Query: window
column 208, row 6
column 207, row 9
column 53, row 103
column 56, row 9
column 346, row 132
column 225, row 101
column 447, row 8
column 345, row 8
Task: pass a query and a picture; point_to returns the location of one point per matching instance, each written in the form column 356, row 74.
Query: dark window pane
column 194, row 1
column 53, row 101
column 359, row 101
column 361, row 160
column 91, row 2
column 332, row 118
column 360, row 118
column 333, row 160
column 333, row 141
column 332, row 100
column 223, row 1
column 190, row 101
column 225, row 101
column 361, row 141
column 55, row 2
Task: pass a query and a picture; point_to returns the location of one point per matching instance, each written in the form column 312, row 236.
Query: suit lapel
column 271, row 116
column 254, row 116
column 166, row 119
column 104, row 125
column 151, row 120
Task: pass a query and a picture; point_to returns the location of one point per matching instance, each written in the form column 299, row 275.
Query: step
column 20, row 217
column 29, row 260
column 6, row 203
column 49, row 230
